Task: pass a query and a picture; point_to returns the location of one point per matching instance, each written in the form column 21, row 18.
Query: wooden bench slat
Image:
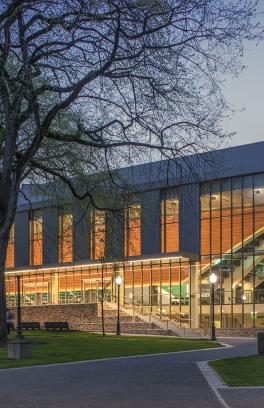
column 30, row 325
column 56, row 325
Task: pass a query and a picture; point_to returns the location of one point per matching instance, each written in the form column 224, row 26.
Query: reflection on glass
column 10, row 252
column 132, row 231
column 169, row 224
column 35, row 238
column 232, row 242
column 65, row 221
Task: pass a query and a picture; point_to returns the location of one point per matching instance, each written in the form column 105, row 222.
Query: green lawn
column 59, row 347
column 241, row 371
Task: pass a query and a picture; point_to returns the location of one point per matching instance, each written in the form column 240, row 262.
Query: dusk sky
column 247, row 92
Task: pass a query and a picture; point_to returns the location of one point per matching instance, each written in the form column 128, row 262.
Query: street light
column 119, row 282
column 19, row 334
column 213, row 280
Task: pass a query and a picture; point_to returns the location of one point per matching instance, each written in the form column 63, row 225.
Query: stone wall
column 230, row 332
column 75, row 315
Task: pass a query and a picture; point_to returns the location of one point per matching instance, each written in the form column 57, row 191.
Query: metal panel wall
column 234, row 161
column 21, row 239
column 50, row 235
column 81, row 228
column 189, row 218
column 115, row 235
column 150, row 222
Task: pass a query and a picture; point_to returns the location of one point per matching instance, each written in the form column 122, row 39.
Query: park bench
column 30, row 325
column 56, row 325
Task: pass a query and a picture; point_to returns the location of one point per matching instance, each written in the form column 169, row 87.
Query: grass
column 59, row 347
column 241, row 371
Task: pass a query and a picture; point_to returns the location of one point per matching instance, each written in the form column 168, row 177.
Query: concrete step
column 125, row 330
column 132, row 326
column 122, row 318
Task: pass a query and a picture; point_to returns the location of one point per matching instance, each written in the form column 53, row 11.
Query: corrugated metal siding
column 150, row 222
column 115, row 235
column 81, row 242
column 50, row 235
column 186, row 173
column 235, row 161
column 21, row 239
column 189, row 220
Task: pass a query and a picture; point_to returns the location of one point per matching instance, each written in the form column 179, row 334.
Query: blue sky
column 247, row 92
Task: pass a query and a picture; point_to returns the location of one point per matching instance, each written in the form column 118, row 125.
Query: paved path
column 161, row 381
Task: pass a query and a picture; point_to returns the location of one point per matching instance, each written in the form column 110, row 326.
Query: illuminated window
column 169, row 225
column 10, row 253
column 97, row 237
column 65, row 235
column 133, row 230
column 35, row 238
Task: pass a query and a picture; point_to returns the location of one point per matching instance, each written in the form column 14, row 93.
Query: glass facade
column 65, row 236
column 132, row 231
column 97, row 234
column 155, row 286
column 169, row 222
column 10, row 253
column 35, row 238
column 232, row 246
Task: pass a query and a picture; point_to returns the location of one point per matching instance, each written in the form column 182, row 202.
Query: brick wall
column 75, row 315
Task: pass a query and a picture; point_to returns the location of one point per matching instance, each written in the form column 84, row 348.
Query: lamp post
column 19, row 334
column 119, row 282
column 213, row 280
column 19, row 347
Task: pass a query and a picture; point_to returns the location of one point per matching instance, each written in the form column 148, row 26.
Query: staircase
column 129, row 324
column 252, row 242
column 163, row 325
column 133, row 322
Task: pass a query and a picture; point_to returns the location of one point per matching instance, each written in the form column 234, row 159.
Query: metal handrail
column 136, row 305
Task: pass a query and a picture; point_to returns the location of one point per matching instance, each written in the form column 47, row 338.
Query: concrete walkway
column 161, row 381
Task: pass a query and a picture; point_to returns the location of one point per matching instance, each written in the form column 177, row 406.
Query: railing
column 177, row 320
column 236, row 297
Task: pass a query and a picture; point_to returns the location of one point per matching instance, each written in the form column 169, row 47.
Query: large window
column 160, row 286
column 132, row 244
column 10, row 253
column 97, row 238
column 232, row 245
column 169, row 223
column 35, row 238
column 65, row 235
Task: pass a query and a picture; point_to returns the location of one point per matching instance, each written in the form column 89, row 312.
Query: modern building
column 200, row 214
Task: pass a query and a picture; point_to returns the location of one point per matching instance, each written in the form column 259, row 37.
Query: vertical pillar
column 81, row 227
column 115, row 235
column 194, row 295
column 55, row 288
column 150, row 222
column 21, row 239
column 50, row 235
column 189, row 218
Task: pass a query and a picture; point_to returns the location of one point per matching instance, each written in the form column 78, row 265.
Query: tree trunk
column 3, row 328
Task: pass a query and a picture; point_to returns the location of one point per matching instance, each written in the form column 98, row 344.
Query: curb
column 98, row 360
column 216, row 382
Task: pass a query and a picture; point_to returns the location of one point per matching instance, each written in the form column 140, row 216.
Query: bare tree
column 126, row 76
